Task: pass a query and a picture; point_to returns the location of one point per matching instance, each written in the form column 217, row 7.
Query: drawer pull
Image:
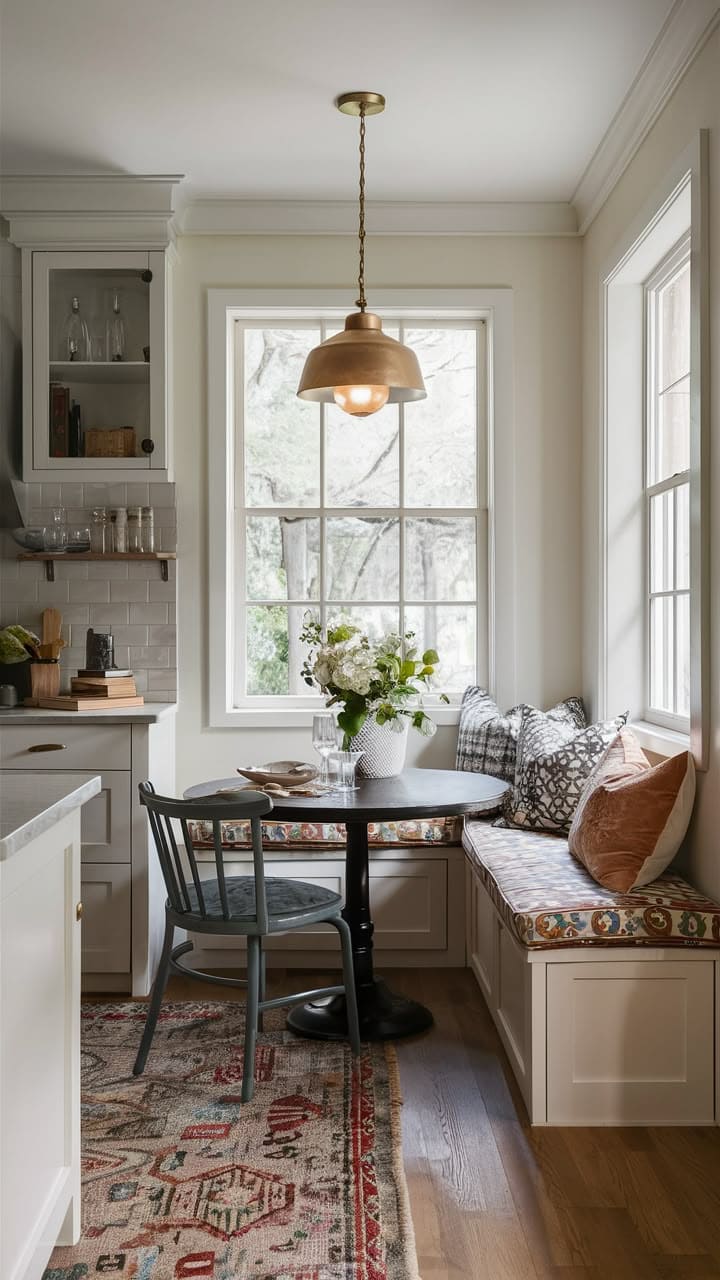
column 48, row 746
column 79, row 911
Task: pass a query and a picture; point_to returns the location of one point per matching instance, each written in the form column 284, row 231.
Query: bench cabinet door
column 630, row 1041
column 408, row 900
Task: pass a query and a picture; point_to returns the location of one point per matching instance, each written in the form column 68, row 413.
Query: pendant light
column 361, row 369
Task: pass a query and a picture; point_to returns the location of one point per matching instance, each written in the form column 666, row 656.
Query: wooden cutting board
column 51, row 625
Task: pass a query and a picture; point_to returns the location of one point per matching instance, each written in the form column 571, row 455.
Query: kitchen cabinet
column 123, row 401
column 121, row 884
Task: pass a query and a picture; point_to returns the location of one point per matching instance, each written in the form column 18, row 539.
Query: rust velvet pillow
column 632, row 816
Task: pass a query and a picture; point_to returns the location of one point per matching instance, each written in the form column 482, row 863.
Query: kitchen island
column 40, row 912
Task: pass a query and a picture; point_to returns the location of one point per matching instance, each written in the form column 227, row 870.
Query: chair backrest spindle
column 248, row 805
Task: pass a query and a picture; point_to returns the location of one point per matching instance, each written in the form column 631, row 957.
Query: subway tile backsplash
column 128, row 598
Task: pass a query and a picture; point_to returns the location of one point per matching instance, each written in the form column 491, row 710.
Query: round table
column 416, row 793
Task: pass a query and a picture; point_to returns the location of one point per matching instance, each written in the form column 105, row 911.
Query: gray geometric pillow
column 554, row 760
column 487, row 739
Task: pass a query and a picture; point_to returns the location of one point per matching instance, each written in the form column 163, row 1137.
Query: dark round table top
column 415, row 793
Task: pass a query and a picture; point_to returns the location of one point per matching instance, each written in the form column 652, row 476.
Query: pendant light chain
column 360, row 301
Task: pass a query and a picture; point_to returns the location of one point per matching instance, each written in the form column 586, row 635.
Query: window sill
column 659, row 740
column 301, row 717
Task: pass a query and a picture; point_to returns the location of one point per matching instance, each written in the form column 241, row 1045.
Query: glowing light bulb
column 361, row 401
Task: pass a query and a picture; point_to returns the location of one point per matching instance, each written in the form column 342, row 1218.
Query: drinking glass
column 347, row 762
column 324, row 731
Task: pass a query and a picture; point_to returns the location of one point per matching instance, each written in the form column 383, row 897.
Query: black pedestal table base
column 383, row 1015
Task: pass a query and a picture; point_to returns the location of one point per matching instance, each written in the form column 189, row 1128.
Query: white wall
column 694, row 105
column 544, row 274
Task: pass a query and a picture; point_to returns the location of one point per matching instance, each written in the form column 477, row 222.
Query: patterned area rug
column 182, row 1182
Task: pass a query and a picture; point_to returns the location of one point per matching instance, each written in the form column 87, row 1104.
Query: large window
column 383, row 520
column 667, row 489
column 654, row 515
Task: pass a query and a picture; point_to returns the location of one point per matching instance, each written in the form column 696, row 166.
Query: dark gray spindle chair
column 252, row 905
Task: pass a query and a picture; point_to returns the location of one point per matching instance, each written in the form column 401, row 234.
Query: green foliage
column 379, row 679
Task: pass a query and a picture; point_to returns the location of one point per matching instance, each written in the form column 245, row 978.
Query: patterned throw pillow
column 554, row 761
column 487, row 739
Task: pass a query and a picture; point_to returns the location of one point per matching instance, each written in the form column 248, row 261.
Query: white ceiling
column 488, row 100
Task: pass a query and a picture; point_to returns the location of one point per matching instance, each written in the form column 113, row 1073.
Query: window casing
column 384, row 520
column 667, row 490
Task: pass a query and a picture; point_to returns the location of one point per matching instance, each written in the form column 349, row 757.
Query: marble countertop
column 27, row 810
column 150, row 713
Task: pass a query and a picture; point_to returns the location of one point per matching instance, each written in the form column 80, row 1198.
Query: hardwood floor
column 493, row 1199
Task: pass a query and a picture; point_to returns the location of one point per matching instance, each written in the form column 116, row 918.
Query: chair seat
column 291, row 898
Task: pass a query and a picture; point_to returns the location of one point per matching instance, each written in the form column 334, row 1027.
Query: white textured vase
column 383, row 749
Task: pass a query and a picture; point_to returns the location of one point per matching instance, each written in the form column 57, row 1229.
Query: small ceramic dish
column 285, row 773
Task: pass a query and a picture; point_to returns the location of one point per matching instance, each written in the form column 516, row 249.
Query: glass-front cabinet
column 98, row 390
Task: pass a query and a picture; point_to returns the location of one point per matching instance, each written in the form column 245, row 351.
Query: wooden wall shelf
column 49, row 558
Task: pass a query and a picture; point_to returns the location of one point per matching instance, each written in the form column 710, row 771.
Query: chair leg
column 158, row 992
column 263, row 985
column 251, row 1017
column 349, row 982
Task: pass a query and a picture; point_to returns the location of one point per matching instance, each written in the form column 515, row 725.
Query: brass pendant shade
column 362, row 356
column 361, row 369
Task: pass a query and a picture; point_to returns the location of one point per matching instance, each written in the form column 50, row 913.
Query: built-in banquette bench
column 417, row 883
column 606, row 1003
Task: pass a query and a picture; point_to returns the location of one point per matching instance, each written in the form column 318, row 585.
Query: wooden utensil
column 51, row 625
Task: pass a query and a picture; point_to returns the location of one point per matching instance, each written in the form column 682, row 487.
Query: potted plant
column 379, row 686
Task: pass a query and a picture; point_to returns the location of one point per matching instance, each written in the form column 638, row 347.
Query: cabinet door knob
column 79, row 911
column 48, row 746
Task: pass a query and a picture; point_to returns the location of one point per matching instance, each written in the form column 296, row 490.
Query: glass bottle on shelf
column 134, row 529
column 116, row 332
column 148, row 529
column 100, row 531
column 76, row 343
column 120, row 529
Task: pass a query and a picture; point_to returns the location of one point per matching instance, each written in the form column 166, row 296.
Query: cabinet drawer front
column 105, row 889
column 72, row 746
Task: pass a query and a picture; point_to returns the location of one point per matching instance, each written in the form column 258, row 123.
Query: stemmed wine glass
column 324, row 740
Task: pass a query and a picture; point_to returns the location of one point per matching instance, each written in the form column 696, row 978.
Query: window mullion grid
column 238, row 635
column 323, row 499
column 674, row 603
column 323, row 513
column 401, row 505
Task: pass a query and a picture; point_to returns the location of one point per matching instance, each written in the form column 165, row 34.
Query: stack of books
column 90, row 690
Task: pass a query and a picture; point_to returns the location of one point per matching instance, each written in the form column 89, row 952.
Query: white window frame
column 494, row 306
column 666, row 270
column 680, row 202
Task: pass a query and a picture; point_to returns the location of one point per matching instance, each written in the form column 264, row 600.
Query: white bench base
column 615, row 1035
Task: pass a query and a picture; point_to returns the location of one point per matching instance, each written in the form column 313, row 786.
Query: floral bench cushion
column 296, row 836
column 547, row 899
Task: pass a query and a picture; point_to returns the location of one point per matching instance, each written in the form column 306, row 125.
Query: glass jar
column 148, row 529
column 120, row 529
column 134, row 530
column 78, row 538
column 100, row 531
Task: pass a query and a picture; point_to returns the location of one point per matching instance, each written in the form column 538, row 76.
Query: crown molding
column 688, row 26
column 227, row 216
column 89, row 210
